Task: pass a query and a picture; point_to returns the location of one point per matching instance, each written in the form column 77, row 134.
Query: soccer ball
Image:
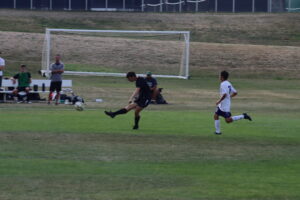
column 79, row 106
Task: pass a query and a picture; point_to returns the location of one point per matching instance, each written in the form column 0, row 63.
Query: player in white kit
column 227, row 91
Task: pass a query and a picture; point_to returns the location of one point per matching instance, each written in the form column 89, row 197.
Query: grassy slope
column 275, row 29
column 239, row 32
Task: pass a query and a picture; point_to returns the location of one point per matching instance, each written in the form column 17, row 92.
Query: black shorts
column 143, row 102
column 55, row 86
column 21, row 89
column 219, row 112
column 0, row 81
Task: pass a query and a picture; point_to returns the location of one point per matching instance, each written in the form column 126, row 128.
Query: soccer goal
column 115, row 52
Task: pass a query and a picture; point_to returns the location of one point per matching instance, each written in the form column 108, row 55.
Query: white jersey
column 228, row 89
column 2, row 63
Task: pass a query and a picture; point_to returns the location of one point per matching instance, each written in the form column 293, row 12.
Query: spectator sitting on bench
column 152, row 83
column 24, row 80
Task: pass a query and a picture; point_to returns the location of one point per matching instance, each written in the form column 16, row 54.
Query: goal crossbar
column 44, row 72
column 116, row 31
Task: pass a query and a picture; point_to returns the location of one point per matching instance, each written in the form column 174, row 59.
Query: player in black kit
column 139, row 100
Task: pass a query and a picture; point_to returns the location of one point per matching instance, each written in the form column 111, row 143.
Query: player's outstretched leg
column 113, row 114
column 121, row 111
column 246, row 116
column 243, row 116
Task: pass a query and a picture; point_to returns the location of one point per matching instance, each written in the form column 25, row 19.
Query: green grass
column 66, row 154
column 94, row 121
column 55, row 152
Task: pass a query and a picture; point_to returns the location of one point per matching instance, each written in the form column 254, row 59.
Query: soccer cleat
column 218, row 133
column 111, row 114
column 135, row 127
column 246, row 116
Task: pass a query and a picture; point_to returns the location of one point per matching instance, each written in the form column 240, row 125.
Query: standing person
column 57, row 69
column 2, row 66
column 152, row 83
column 139, row 99
column 227, row 91
column 24, row 80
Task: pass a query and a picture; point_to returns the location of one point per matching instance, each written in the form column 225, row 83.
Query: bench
column 7, row 83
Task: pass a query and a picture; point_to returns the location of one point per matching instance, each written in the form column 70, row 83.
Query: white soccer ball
column 79, row 106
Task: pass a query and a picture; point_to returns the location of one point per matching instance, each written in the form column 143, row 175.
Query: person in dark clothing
column 152, row 83
column 24, row 80
column 139, row 100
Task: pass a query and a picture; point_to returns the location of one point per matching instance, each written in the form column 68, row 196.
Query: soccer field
column 50, row 152
column 56, row 152
column 85, row 155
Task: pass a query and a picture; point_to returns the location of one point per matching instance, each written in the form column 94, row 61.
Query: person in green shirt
column 24, row 80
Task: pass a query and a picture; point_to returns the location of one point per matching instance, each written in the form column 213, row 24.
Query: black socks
column 121, row 111
column 136, row 120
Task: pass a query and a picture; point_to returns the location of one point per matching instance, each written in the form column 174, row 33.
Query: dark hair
column 225, row 75
column 23, row 66
column 130, row 74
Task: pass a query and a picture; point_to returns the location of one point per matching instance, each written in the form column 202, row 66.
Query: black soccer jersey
column 145, row 91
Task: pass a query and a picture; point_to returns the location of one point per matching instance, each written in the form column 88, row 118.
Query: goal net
column 114, row 53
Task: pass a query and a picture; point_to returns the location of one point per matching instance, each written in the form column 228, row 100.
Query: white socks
column 217, row 125
column 234, row 118
column 238, row 117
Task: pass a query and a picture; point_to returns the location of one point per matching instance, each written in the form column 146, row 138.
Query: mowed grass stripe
column 185, row 123
column 144, row 148
column 204, row 180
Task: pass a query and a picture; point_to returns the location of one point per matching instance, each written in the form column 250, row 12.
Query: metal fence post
column 270, row 6
column 180, row 6
column 70, row 4
column 233, row 6
column 50, row 5
column 160, row 6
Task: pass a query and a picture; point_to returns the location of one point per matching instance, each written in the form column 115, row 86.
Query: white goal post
column 89, row 50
